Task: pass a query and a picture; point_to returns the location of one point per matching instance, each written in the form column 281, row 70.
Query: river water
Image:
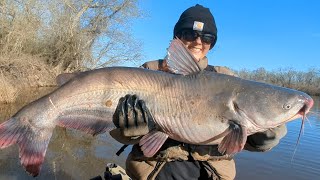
column 287, row 160
column 75, row 155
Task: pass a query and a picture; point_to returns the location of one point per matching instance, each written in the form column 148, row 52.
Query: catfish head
column 265, row 106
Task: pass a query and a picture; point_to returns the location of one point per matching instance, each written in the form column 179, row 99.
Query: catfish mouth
column 308, row 103
column 303, row 111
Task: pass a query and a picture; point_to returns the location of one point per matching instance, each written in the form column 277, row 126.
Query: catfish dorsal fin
column 180, row 60
column 152, row 142
column 61, row 79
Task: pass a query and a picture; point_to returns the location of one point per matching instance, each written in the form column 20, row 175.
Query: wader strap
column 211, row 171
column 155, row 170
column 210, row 68
column 161, row 64
column 121, row 149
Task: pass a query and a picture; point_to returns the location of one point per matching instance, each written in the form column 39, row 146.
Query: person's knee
column 225, row 169
column 137, row 169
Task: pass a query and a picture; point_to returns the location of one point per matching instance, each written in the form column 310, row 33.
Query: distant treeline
column 306, row 81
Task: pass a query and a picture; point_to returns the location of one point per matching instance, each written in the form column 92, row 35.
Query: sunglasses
column 190, row 35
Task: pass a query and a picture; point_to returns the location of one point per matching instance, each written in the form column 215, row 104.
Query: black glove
column 264, row 141
column 132, row 116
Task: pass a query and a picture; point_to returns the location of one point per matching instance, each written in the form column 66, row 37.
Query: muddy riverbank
column 19, row 76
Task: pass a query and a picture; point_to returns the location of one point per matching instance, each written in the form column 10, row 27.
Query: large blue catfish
column 192, row 106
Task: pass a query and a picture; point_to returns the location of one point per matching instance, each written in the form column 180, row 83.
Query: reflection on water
column 281, row 162
column 75, row 155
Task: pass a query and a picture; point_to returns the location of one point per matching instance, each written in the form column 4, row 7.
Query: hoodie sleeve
column 224, row 70
column 264, row 141
column 158, row 65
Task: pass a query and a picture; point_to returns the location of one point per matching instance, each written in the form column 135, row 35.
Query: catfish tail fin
column 32, row 142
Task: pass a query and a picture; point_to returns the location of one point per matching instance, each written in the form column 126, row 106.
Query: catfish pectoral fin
column 152, row 142
column 234, row 141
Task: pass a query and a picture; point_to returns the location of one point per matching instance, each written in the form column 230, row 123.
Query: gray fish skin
column 200, row 108
column 191, row 109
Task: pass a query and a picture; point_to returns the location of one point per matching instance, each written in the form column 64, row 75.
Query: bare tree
column 70, row 34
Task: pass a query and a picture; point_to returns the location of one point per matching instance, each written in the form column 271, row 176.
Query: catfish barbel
column 193, row 106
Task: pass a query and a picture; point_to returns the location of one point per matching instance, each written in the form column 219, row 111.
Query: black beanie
column 196, row 18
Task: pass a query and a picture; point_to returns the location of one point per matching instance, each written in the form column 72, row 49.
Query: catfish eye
column 287, row 106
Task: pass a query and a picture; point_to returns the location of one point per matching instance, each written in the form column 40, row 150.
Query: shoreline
column 18, row 76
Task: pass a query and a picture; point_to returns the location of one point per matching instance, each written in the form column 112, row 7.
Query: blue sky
column 251, row 33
